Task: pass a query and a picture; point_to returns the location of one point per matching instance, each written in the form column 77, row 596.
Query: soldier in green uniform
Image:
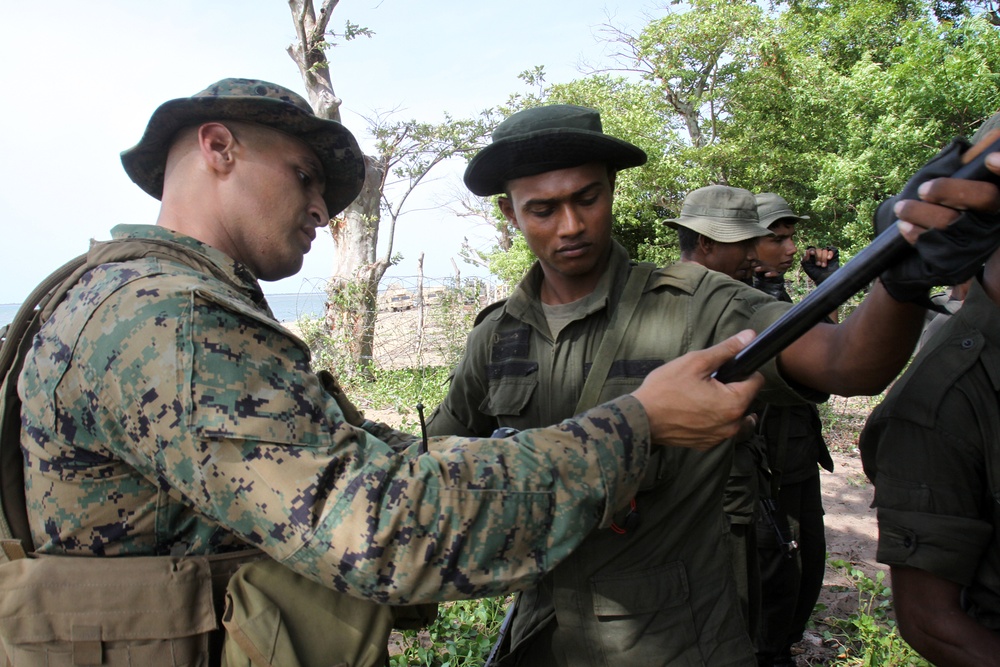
column 718, row 228
column 931, row 450
column 790, row 541
column 654, row 588
column 166, row 413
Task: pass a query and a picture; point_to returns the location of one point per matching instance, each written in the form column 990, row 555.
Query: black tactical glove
column 352, row 415
column 816, row 272
column 773, row 285
column 940, row 257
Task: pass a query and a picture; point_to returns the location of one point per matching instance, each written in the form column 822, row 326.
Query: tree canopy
column 830, row 103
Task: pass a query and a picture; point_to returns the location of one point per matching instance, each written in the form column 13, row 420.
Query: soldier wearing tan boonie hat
column 717, row 228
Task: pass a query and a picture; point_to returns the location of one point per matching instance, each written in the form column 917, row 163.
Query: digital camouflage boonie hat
column 772, row 207
column 534, row 141
column 252, row 101
column 721, row 213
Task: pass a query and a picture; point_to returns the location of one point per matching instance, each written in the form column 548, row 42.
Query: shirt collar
column 237, row 273
column 525, row 302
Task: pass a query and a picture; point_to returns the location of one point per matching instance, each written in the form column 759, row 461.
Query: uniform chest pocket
column 508, row 396
column 625, row 375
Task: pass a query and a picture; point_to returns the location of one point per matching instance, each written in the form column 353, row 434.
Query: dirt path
column 851, row 535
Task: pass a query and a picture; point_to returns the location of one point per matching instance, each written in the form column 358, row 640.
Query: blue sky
column 81, row 80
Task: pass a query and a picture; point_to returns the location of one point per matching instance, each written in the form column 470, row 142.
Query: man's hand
column 820, row 263
column 953, row 224
column 769, row 282
column 687, row 407
column 352, row 415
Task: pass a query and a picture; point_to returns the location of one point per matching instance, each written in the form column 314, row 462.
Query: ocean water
column 286, row 307
column 292, row 307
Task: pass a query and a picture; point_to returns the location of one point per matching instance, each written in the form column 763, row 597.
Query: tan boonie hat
column 251, row 101
column 990, row 124
column 541, row 139
column 721, row 213
column 772, row 207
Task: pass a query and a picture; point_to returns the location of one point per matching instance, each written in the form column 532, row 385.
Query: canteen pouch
column 64, row 611
column 277, row 618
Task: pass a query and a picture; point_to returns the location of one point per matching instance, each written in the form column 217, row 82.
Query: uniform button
column 907, row 542
column 967, row 343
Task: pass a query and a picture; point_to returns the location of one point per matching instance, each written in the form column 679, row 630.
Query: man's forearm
column 932, row 621
column 861, row 355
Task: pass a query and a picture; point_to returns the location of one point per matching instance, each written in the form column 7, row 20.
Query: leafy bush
column 869, row 638
column 462, row 635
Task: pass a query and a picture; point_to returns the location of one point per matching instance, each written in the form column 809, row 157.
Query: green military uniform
column 789, row 583
column 932, row 449
column 167, row 413
column 661, row 592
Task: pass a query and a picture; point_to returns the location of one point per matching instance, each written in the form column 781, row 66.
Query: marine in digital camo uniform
column 655, row 588
column 166, row 412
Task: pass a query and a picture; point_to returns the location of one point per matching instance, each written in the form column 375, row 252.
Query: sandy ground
column 851, row 534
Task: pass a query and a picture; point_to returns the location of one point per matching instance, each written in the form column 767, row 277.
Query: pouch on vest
column 66, row 611
column 277, row 618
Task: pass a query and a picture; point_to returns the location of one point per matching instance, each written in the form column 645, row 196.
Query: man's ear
column 705, row 244
column 217, row 146
column 507, row 208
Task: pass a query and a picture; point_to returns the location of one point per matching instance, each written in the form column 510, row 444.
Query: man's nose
column 319, row 212
column 570, row 222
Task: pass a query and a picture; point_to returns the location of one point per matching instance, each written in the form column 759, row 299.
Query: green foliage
column 831, row 103
column 400, row 390
column 453, row 315
column 330, row 351
column 462, row 635
column 511, row 265
column 869, row 638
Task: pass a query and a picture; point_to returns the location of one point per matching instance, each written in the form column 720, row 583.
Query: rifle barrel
column 882, row 253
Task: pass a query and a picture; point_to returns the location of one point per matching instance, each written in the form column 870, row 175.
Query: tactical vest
column 158, row 610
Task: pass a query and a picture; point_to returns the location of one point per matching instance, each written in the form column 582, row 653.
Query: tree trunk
column 353, row 287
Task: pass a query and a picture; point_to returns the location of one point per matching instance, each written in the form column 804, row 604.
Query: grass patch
column 869, row 637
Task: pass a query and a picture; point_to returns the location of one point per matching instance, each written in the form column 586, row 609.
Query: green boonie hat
column 772, row 207
column 252, row 101
column 721, row 213
column 542, row 139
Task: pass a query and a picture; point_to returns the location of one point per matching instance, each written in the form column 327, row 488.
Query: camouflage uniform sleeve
column 396, row 439
column 220, row 405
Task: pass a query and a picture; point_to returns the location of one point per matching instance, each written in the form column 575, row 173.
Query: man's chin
column 286, row 270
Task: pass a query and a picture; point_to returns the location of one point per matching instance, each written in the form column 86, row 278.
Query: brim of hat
column 771, row 218
column 722, row 230
column 334, row 145
column 545, row 150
